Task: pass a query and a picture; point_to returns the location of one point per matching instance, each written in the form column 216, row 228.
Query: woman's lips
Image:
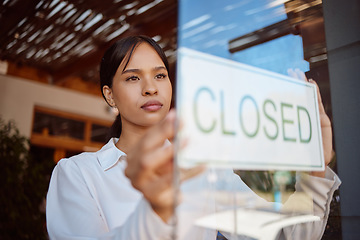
column 152, row 106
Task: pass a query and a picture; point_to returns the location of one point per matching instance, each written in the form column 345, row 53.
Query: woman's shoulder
column 77, row 162
column 83, row 156
column 89, row 160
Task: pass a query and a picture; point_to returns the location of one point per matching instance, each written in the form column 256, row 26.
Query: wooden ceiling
column 64, row 40
column 61, row 42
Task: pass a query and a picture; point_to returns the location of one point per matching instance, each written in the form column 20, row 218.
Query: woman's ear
column 108, row 95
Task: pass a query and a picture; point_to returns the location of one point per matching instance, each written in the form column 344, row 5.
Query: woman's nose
column 149, row 87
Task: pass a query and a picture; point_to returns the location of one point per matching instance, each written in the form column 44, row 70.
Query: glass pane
column 272, row 38
column 51, row 125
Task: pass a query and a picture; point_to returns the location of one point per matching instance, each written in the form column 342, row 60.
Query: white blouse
column 89, row 197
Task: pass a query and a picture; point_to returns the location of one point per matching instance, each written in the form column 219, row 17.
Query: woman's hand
column 150, row 167
column 326, row 132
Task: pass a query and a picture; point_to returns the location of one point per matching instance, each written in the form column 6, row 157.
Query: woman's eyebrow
column 131, row 70
column 160, row 68
column 135, row 70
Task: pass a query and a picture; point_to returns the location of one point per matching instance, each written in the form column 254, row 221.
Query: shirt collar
column 109, row 155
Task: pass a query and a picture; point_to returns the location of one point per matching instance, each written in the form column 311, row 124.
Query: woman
column 125, row 190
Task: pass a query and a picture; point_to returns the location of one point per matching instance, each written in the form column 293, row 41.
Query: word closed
column 268, row 117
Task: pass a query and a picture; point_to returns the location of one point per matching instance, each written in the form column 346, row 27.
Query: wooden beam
column 63, row 143
column 74, row 68
column 161, row 23
column 13, row 15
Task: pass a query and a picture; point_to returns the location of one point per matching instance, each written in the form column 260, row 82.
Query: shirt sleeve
column 320, row 191
column 143, row 224
column 72, row 212
column 313, row 196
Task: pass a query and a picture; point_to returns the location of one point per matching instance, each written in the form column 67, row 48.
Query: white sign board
column 244, row 117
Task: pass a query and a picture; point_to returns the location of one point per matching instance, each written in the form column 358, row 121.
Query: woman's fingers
column 297, row 73
column 321, row 106
column 151, row 151
column 157, row 135
column 157, row 157
column 324, row 119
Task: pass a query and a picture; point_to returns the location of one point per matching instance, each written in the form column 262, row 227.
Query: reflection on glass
column 242, row 204
column 211, row 26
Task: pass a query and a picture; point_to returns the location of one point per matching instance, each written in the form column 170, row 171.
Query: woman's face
column 142, row 91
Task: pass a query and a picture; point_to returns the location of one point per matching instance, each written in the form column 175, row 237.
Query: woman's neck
column 130, row 136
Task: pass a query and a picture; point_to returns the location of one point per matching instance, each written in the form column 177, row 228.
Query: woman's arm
column 319, row 191
column 319, row 186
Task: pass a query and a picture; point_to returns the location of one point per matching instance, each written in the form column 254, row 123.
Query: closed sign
column 243, row 117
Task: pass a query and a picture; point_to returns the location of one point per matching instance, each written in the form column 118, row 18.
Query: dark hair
column 120, row 51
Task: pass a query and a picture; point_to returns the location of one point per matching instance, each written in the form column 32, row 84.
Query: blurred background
column 51, row 105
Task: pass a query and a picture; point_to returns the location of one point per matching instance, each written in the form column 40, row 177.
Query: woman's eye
column 132, row 78
column 160, row 76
